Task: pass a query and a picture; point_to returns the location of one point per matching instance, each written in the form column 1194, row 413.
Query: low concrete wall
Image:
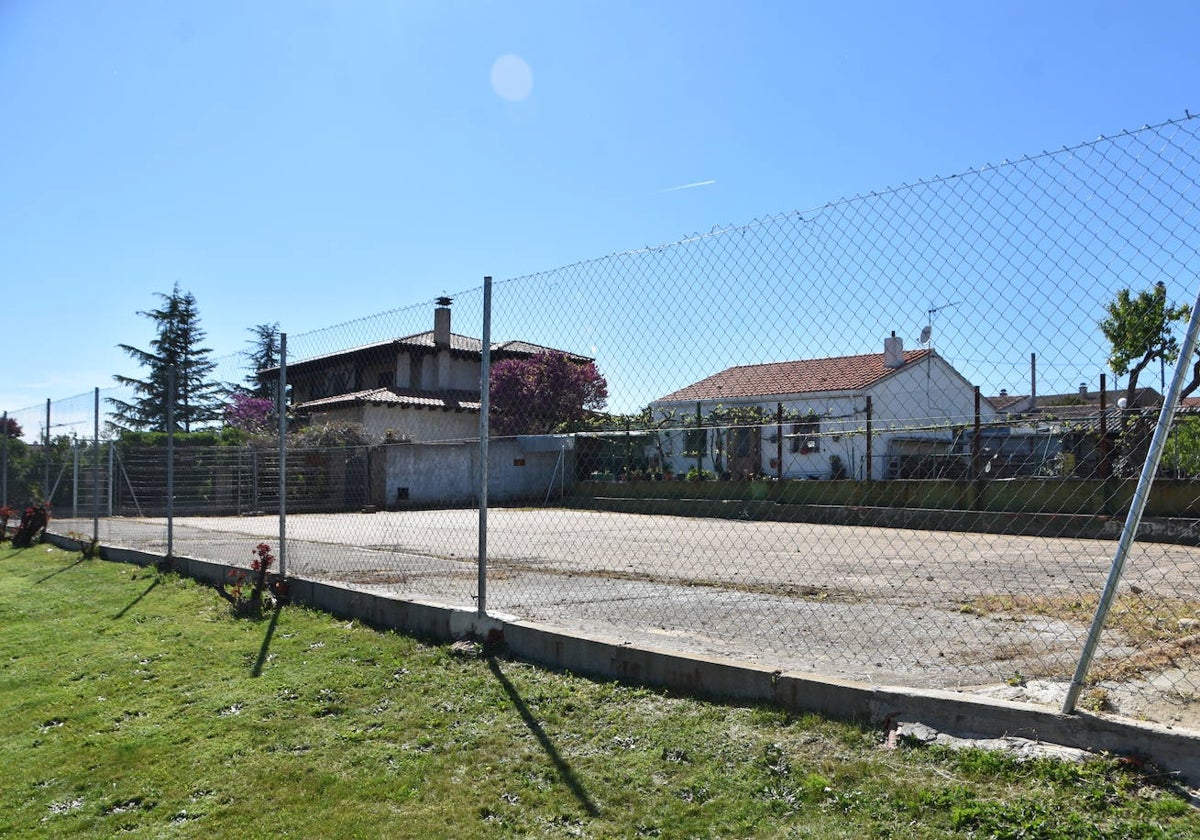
column 1078, row 526
column 960, row 715
column 1168, row 498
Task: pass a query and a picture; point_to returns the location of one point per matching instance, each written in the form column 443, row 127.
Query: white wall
column 447, row 474
column 464, row 374
column 421, row 424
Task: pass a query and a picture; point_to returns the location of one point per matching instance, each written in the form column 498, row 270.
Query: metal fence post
column 4, row 463
column 1170, row 400
column 281, row 410
column 170, row 463
column 485, row 367
column 96, row 469
column 74, row 477
column 46, row 486
column 112, row 465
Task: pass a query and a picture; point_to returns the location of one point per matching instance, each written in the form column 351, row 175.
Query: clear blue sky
column 315, row 162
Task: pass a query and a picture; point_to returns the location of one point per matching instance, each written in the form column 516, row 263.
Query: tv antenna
column 927, row 331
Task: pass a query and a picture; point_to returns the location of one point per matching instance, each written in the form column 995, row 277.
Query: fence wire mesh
column 882, row 439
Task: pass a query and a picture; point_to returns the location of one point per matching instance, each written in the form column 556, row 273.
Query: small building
column 867, row 416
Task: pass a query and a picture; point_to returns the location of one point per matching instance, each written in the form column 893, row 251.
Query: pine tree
column 178, row 347
column 263, row 354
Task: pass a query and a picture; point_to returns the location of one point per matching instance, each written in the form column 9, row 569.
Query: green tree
column 177, row 347
column 1182, row 451
column 1139, row 330
column 263, row 354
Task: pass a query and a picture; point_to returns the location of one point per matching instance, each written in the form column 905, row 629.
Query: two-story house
column 422, row 387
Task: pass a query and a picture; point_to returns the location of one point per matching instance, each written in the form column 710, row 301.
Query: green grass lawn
column 135, row 704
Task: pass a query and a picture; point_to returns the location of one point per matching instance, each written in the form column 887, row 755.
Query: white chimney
column 893, row 351
column 441, row 323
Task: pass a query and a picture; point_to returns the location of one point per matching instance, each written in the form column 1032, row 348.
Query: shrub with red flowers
column 245, row 591
column 33, row 524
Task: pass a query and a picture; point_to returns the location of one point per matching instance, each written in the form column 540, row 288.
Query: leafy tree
column 25, row 469
column 264, row 353
column 1182, row 451
column 544, row 393
column 1139, row 331
column 12, row 429
column 177, row 346
column 251, row 413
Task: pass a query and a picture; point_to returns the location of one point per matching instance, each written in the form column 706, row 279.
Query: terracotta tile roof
column 807, row 376
column 449, row 400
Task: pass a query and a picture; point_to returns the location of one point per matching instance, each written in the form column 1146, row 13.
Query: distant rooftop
column 806, row 376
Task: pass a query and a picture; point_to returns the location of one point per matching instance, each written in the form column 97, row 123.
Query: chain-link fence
column 879, row 440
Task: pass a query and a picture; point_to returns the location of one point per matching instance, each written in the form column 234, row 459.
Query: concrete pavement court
column 885, row 606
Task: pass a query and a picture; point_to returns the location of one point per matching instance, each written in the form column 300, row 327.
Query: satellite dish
column 926, row 333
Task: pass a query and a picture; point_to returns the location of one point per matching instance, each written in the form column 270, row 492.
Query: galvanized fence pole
column 74, row 478
column 170, row 463
column 112, row 465
column 46, row 486
column 484, row 402
column 1183, row 370
column 4, row 463
column 96, row 468
column 281, row 410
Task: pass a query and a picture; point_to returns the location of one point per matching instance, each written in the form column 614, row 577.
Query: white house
column 848, row 416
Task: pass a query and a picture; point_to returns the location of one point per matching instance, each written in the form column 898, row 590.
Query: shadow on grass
column 132, row 603
column 60, row 571
column 266, row 644
column 564, row 770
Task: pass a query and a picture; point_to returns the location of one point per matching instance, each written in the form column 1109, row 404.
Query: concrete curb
column 958, row 715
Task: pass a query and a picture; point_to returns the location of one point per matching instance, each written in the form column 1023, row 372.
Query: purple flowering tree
column 544, row 393
column 250, row 413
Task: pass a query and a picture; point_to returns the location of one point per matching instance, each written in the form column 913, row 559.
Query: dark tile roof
column 1004, row 401
column 807, row 376
column 458, row 344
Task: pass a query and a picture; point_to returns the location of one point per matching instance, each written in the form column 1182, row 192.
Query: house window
column 695, row 442
column 806, row 437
